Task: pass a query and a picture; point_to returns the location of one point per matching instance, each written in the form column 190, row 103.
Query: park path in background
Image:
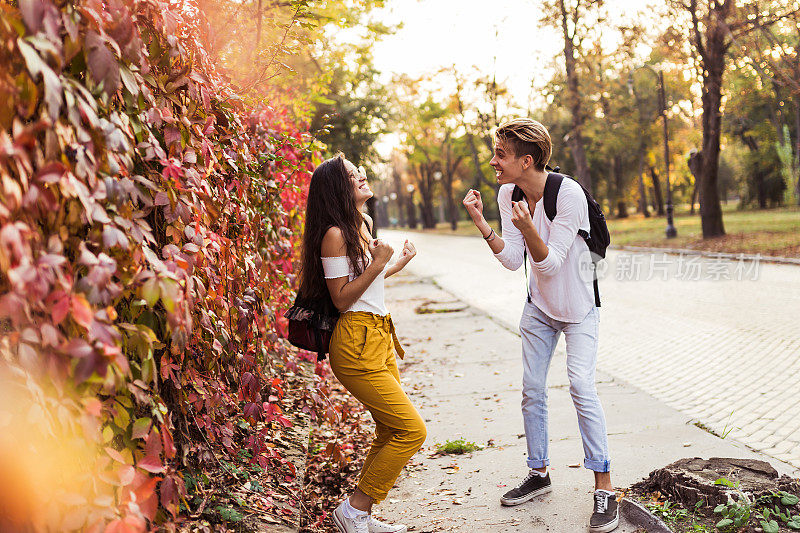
column 463, row 371
column 717, row 339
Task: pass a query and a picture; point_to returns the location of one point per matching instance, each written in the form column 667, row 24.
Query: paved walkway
column 717, row 339
column 463, row 370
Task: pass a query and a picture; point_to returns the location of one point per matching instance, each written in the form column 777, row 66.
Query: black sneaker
column 606, row 512
column 533, row 485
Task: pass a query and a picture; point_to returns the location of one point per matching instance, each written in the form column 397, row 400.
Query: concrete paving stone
column 753, row 428
column 780, row 448
column 785, row 457
column 785, row 433
column 794, row 436
column 762, row 434
column 784, row 417
column 683, row 406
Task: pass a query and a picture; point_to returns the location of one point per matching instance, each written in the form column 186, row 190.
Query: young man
column 561, row 299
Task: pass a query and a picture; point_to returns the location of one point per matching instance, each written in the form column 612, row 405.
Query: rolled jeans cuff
column 538, row 463
column 597, row 466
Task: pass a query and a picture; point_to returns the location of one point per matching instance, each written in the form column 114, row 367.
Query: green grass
column 767, row 231
column 457, row 447
column 677, row 518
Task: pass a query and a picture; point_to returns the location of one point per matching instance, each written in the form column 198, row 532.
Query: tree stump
column 690, row 480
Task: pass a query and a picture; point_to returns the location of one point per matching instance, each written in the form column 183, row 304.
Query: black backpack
column 598, row 237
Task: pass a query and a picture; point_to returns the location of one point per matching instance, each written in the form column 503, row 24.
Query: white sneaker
column 376, row 526
column 359, row 524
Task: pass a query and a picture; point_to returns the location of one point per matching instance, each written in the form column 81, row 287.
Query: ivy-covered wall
column 148, row 216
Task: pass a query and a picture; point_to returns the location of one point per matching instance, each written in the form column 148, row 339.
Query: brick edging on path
column 705, row 253
column 639, row 516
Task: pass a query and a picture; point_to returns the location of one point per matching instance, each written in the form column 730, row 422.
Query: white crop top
column 372, row 301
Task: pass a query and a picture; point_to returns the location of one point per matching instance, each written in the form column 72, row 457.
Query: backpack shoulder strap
column 551, row 188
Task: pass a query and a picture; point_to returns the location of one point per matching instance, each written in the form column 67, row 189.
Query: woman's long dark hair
column 331, row 202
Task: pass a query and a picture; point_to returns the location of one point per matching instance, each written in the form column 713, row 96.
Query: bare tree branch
column 260, row 77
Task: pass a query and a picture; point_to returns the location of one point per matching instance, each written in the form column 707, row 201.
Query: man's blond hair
column 525, row 136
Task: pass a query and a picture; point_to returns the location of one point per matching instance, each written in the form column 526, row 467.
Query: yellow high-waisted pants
column 362, row 358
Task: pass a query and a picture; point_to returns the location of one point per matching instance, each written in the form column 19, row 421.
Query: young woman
column 341, row 260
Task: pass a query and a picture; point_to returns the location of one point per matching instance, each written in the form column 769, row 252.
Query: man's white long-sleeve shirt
column 561, row 283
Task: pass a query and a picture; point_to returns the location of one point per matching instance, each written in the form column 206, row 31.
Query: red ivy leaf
column 114, row 454
column 140, row 428
column 126, row 475
column 78, row 348
column 169, row 444
column 60, row 306
column 103, row 66
column 81, row 310
column 146, row 496
column 51, row 172
column 151, row 464
column 152, row 454
column 171, row 490
column 129, row 524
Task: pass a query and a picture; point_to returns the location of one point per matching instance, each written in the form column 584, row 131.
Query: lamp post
column 438, row 177
column 671, row 232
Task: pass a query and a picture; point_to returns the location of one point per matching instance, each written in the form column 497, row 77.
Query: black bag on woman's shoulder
column 311, row 323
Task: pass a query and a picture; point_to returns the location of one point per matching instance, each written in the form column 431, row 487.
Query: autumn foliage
column 147, row 220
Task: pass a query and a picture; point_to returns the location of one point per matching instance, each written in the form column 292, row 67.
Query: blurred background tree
column 731, row 74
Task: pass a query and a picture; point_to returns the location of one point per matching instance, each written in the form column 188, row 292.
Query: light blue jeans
column 540, row 334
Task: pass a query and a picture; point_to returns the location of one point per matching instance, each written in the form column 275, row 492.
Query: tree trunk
column 692, row 480
column 428, row 218
column 480, row 177
column 476, row 162
column 713, row 63
column 398, row 190
column 575, row 138
column 761, row 189
column 452, row 211
column 658, row 198
column 796, row 169
column 642, row 191
column 695, row 162
column 619, row 180
column 613, row 194
column 411, row 212
column 710, row 208
column 426, row 194
column 449, row 173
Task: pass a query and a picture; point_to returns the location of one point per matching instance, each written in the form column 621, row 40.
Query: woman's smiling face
column 358, row 177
